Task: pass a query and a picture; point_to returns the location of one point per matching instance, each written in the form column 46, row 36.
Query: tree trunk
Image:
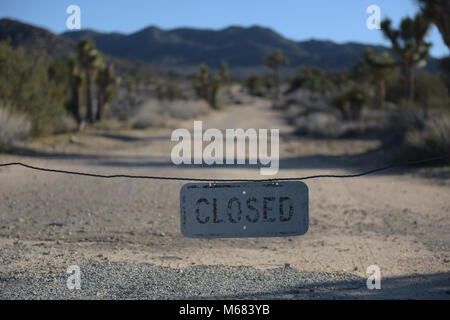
column 381, row 93
column 277, row 84
column 101, row 106
column 89, row 89
column 409, row 83
column 75, row 104
column 213, row 98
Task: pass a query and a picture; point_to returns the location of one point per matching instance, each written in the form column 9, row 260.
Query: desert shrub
column 149, row 115
column 432, row 140
column 302, row 102
column 311, row 78
column 351, row 101
column 314, row 115
column 311, row 114
column 187, row 109
column 335, row 80
column 68, row 124
column 14, row 127
column 318, row 124
column 402, row 119
column 431, row 91
column 394, row 88
column 28, row 85
column 234, row 94
column 156, row 113
column 268, row 83
column 169, row 91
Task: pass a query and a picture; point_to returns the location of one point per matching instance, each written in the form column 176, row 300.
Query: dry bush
column 14, row 127
column 432, row 140
column 317, row 124
column 181, row 109
column 68, row 124
column 301, row 102
column 156, row 113
column 313, row 115
column 234, row 95
column 150, row 115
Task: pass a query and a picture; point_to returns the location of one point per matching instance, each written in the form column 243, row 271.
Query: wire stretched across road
column 127, row 176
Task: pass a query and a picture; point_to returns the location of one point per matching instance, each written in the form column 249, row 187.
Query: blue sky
column 335, row 20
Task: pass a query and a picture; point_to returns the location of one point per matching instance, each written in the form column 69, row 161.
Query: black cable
column 404, row 164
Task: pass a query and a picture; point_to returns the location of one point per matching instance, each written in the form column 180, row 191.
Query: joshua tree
column 380, row 67
column 91, row 60
column 274, row 62
column 408, row 43
column 253, row 85
column 106, row 82
column 207, row 85
column 438, row 12
column 201, row 82
column 216, row 81
column 76, row 81
column 224, row 72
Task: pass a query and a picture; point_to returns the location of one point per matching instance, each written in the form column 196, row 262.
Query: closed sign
column 238, row 210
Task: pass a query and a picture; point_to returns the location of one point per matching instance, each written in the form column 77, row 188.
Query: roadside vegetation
column 387, row 95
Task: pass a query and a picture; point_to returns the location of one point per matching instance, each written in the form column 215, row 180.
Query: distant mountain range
column 183, row 49
column 58, row 46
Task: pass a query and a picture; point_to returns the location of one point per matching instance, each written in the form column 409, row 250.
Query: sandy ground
column 398, row 220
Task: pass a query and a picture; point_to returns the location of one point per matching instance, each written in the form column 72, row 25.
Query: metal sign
column 240, row 210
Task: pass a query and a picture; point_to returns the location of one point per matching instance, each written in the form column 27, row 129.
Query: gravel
column 121, row 280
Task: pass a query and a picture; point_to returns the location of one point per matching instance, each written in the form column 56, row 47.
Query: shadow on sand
column 419, row 286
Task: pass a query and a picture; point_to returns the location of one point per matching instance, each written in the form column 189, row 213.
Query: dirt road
column 125, row 234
